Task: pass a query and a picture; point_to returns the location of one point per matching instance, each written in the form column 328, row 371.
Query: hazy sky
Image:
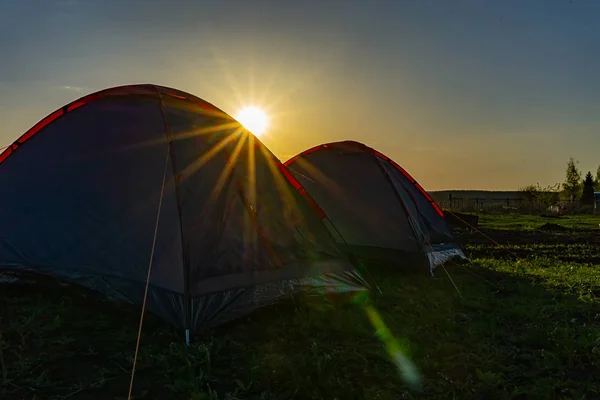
column 463, row 94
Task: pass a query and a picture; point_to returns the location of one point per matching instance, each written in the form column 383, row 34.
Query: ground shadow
column 507, row 334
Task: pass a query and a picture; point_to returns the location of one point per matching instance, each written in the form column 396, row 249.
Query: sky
column 490, row 95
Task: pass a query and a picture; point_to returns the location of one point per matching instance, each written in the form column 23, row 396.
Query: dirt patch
column 569, row 245
column 552, row 227
column 514, row 237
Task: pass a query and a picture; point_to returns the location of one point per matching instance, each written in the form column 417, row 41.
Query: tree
column 587, row 197
column 572, row 184
column 541, row 197
column 597, row 181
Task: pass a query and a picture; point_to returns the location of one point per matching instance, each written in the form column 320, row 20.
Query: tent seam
column 399, row 198
column 185, row 263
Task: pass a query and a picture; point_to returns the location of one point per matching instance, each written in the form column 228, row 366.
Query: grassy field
column 524, row 324
column 516, row 221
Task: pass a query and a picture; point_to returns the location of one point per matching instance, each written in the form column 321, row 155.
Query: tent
column 145, row 178
column 375, row 208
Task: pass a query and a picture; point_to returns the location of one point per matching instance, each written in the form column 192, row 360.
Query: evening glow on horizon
column 254, row 119
column 497, row 116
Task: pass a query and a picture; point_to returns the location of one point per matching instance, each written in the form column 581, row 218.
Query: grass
column 517, row 221
column 520, row 328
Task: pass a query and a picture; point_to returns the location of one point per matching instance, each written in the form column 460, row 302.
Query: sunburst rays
column 228, row 139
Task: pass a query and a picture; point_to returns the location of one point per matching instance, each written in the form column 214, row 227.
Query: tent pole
column 176, row 182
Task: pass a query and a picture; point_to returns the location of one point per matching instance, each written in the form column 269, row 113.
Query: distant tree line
column 576, row 192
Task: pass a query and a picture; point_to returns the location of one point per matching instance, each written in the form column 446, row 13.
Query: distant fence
column 505, row 205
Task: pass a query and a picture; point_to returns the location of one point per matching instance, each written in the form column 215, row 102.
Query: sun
column 254, row 119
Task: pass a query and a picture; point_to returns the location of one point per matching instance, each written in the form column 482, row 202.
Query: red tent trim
column 144, row 89
column 382, row 156
column 148, row 90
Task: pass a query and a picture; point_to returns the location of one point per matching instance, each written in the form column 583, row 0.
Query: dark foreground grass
column 518, row 329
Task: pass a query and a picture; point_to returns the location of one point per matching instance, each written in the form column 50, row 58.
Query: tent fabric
column 375, row 207
column 80, row 199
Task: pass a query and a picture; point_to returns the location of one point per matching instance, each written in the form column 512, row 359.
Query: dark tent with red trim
column 374, row 207
column 146, row 178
